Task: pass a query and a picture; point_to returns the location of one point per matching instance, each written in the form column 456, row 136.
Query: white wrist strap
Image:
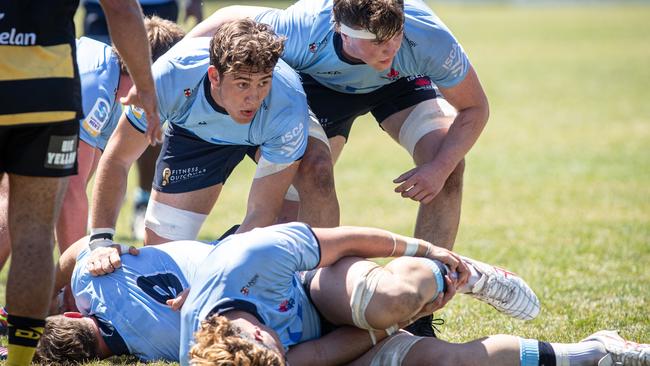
column 412, row 246
column 102, row 230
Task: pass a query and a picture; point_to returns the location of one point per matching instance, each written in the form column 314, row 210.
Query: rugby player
column 397, row 60
column 224, row 97
column 249, row 305
column 131, row 301
column 41, row 107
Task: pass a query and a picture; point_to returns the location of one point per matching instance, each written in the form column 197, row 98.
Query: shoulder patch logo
column 97, row 117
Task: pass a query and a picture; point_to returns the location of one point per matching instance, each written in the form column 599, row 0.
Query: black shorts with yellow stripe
column 39, row 88
column 39, row 80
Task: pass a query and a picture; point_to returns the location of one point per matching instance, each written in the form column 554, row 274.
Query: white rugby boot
column 619, row 351
column 504, row 290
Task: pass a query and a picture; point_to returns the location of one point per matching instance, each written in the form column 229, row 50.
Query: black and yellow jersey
column 39, row 80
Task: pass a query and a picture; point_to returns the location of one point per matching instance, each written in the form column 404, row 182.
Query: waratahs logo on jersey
column 313, row 47
column 286, row 305
column 392, row 75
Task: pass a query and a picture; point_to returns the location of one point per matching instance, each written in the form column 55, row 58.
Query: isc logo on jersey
column 97, row 117
column 293, row 139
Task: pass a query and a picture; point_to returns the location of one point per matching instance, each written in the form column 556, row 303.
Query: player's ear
column 213, row 75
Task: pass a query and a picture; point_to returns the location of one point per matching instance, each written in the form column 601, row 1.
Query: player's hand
column 435, row 305
column 105, row 260
column 452, row 260
column 148, row 102
column 177, row 303
column 421, row 183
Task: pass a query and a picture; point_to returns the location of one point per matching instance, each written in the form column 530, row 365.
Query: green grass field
column 557, row 188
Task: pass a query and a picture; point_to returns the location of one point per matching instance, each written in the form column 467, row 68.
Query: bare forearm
column 208, row 27
column 462, row 135
column 66, row 264
column 127, row 31
column 365, row 242
column 108, row 193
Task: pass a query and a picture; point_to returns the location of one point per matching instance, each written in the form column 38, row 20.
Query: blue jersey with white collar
column 99, row 72
column 131, row 300
column 256, row 272
column 279, row 127
column 428, row 48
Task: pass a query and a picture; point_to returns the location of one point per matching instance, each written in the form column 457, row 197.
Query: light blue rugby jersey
column 280, row 126
column 256, row 272
column 99, row 72
column 428, row 48
column 132, row 299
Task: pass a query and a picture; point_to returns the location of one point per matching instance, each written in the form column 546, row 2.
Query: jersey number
column 161, row 287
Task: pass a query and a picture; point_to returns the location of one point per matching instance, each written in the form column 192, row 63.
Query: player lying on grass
column 247, row 305
column 131, row 302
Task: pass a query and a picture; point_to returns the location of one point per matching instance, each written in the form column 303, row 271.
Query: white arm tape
column 412, row 245
column 265, row 167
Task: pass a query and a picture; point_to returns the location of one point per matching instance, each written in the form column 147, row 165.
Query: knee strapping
column 427, row 116
column 394, row 351
column 362, row 293
column 172, row 223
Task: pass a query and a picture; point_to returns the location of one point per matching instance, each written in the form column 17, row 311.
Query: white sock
column 578, row 354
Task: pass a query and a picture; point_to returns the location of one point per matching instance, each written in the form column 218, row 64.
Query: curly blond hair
column 384, row 18
column 66, row 341
column 245, row 44
column 218, row 344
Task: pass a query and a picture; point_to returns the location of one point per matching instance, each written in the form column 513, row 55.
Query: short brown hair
column 384, row 18
column 245, row 44
column 217, row 343
column 162, row 34
column 66, row 341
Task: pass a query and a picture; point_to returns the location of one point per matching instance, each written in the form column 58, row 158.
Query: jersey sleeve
column 80, row 283
column 450, row 68
column 290, row 143
column 161, row 71
column 295, row 23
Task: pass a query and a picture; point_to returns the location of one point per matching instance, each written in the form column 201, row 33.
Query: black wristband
column 108, row 236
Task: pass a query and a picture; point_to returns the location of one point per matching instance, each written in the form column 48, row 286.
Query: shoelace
column 437, row 322
column 500, row 290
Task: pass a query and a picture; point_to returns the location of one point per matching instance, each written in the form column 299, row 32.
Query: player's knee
column 316, row 174
column 417, row 281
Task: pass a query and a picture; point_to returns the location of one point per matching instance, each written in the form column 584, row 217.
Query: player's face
column 261, row 334
column 240, row 93
column 378, row 55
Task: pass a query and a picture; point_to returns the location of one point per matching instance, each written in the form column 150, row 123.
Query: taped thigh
column 316, row 130
column 266, row 167
column 427, row 116
column 172, row 223
column 362, row 293
column 394, row 350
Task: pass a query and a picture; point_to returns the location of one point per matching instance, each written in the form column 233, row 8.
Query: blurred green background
column 557, row 188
